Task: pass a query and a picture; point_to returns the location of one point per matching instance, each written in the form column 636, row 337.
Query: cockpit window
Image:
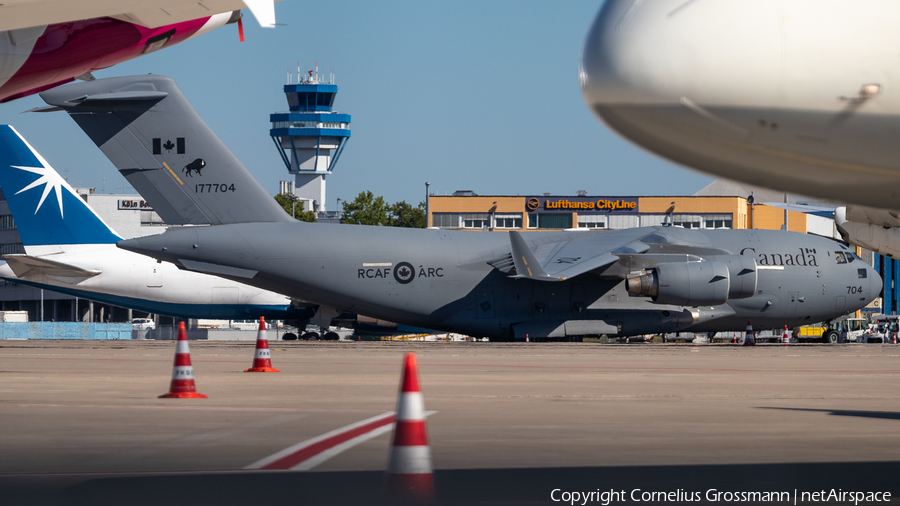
column 861, row 273
column 839, row 257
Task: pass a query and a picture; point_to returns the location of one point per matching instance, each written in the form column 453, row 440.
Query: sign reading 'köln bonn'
column 582, row 204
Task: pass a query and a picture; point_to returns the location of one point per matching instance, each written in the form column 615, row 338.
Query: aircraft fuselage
column 444, row 279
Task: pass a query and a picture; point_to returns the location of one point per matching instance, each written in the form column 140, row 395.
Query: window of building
column 508, row 220
column 549, row 220
column 11, row 248
column 620, row 221
column 653, row 220
column 687, row 220
column 7, row 222
column 718, row 221
column 476, row 220
column 591, row 221
column 151, row 219
column 445, row 220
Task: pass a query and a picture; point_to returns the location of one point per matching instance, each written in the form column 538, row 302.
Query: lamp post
column 427, row 215
column 294, row 200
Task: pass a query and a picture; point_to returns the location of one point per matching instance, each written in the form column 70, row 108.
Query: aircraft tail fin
column 155, row 138
column 46, row 210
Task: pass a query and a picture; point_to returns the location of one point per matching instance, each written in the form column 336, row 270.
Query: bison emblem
column 194, row 166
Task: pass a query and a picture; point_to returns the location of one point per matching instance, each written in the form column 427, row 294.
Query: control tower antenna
column 311, row 136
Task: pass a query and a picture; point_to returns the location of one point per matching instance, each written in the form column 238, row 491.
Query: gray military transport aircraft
column 498, row 285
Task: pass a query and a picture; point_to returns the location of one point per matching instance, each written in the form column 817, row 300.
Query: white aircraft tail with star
column 46, row 209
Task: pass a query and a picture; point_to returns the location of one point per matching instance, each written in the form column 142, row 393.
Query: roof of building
column 729, row 188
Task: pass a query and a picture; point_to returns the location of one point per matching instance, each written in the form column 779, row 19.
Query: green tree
column 405, row 215
column 367, row 209
column 284, row 200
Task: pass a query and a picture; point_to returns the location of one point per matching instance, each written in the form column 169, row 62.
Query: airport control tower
column 311, row 136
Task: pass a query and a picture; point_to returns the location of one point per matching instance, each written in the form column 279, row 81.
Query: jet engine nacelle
column 881, row 240
column 742, row 273
column 684, row 284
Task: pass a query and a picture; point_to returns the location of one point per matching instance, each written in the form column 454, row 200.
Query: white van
column 142, row 324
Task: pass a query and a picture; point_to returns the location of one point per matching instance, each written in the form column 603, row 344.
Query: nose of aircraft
column 876, row 283
column 641, row 52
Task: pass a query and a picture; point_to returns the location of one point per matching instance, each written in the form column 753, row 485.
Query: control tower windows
column 309, row 100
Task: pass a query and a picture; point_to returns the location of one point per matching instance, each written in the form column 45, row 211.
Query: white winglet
column 263, row 11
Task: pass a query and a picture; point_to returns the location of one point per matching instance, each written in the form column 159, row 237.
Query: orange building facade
column 467, row 211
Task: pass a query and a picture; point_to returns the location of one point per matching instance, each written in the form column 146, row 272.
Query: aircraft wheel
column 331, row 336
column 290, row 336
column 831, row 337
column 311, row 336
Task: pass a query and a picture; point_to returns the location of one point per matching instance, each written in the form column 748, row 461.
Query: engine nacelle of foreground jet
column 683, row 284
column 742, row 273
column 881, row 240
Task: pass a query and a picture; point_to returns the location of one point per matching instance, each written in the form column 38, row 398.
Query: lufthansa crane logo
column 532, row 204
column 404, row 272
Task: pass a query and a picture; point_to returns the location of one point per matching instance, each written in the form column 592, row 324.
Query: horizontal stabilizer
column 825, row 212
column 121, row 95
column 25, row 266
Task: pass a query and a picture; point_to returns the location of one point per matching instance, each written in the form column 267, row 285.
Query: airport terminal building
column 719, row 205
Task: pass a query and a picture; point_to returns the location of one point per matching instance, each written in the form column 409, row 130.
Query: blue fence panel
column 65, row 330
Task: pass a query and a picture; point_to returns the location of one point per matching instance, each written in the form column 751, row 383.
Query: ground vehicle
column 848, row 330
column 143, row 324
column 886, row 328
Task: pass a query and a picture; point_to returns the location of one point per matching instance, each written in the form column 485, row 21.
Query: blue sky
column 470, row 95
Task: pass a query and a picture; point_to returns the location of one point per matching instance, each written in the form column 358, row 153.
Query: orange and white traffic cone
column 409, row 475
column 749, row 339
column 182, row 386
column 262, row 359
column 786, row 339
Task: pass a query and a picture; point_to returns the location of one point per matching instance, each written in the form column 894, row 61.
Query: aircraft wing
column 150, row 13
column 823, row 211
column 858, row 214
column 561, row 256
column 24, row 266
